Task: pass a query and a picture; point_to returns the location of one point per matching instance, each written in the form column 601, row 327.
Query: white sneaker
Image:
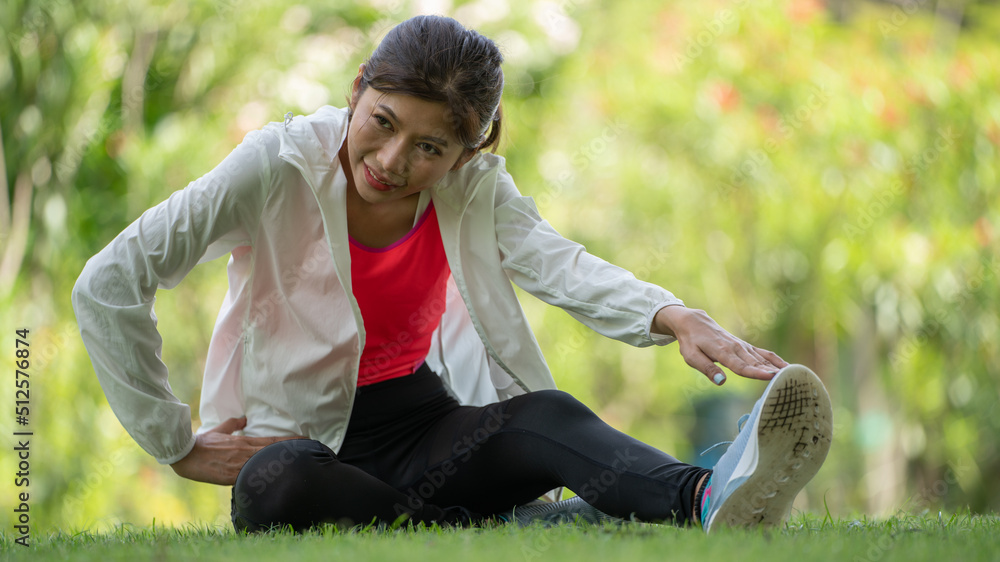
column 778, row 450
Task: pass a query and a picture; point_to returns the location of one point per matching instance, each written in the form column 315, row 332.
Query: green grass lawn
column 805, row 538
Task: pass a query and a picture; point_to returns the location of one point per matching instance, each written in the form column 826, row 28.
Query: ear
column 467, row 155
column 356, row 87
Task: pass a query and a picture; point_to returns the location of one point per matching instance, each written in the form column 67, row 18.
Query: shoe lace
column 739, row 427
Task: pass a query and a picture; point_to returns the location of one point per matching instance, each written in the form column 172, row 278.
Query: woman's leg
column 491, row 458
column 411, row 450
column 301, row 483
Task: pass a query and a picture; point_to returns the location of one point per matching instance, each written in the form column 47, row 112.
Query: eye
column 383, row 122
column 429, row 148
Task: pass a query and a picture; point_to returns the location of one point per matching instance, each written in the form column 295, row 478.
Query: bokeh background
column 822, row 178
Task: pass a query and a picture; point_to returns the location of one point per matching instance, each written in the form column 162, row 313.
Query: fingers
column 248, row 447
column 706, row 346
column 235, row 424
column 697, row 359
column 772, row 357
column 757, row 373
column 229, row 426
column 747, row 362
column 715, row 374
column 738, row 356
column 261, row 442
column 218, row 456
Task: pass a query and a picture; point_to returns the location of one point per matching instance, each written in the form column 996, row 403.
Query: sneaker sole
column 793, row 434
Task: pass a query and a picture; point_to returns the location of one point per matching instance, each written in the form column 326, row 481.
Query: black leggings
column 412, row 450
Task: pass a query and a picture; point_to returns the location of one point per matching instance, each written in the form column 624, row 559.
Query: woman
column 371, row 350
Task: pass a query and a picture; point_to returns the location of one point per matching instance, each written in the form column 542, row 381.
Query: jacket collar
column 456, row 189
column 311, row 142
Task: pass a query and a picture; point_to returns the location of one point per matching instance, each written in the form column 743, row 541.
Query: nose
column 393, row 158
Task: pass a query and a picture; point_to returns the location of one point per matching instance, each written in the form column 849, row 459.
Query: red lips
column 377, row 181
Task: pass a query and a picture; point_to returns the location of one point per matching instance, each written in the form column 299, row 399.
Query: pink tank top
column 401, row 293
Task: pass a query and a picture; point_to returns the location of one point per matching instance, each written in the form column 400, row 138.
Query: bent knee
column 277, row 461
column 557, row 405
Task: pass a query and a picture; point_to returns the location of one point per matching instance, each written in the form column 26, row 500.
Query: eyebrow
column 392, row 114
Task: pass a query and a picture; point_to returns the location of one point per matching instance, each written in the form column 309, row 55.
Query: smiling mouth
column 377, row 181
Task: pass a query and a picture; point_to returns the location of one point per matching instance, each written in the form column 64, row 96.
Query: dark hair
column 435, row 58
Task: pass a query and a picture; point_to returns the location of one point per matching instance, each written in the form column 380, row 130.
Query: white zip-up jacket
column 287, row 343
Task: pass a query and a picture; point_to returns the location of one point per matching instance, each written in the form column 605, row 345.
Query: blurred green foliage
column 823, row 180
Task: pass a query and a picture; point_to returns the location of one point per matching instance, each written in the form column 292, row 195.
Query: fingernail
column 719, row 378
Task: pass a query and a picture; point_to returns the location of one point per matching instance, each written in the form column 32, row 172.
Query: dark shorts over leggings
column 412, row 449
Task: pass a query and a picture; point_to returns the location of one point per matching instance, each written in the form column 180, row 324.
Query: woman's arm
column 113, row 298
column 559, row 271
column 611, row 300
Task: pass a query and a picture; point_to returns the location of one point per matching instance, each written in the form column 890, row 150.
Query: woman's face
column 399, row 145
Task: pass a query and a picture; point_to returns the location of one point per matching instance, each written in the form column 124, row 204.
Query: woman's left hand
column 703, row 343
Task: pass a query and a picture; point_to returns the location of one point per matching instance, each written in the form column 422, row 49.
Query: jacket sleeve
column 113, row 298
column 604, row 297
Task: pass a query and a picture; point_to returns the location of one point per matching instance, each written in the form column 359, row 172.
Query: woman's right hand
column 218, row 455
